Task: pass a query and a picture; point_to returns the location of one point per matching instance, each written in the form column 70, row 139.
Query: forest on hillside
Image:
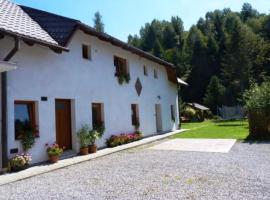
column 220, row 57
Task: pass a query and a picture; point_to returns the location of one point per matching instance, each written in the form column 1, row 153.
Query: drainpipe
column 4, row 104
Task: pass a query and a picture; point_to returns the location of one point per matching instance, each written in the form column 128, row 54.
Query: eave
column 31, row 41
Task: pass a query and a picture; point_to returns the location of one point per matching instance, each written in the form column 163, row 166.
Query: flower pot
column 92, row 148
column 84, row 151
column 53, row 159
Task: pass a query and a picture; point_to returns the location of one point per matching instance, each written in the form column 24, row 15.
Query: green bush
column 84, row 136
column 19, row 162
column 28, row 139
column 208, row 114
column 257, row 100
column 189, row 112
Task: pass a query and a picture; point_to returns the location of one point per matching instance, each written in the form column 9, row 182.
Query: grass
column 213, row 130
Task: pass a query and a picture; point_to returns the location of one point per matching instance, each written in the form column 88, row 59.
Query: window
column 121, row 66
column 97, row 115
column 135, row 115
column 172, row 113
column 155, row 74
column 86, row 52
column 24, row 118
column 145, row 72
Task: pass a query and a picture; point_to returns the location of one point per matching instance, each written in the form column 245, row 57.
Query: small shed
column 197, row 106
column 200, row 110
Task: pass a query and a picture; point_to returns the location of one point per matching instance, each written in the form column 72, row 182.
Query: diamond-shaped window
column 138, row 86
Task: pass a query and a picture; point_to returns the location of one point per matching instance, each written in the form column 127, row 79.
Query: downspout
column 4, row 104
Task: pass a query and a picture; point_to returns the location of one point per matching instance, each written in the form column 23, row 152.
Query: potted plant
column 100, row 128
column 27, row 134
column 54, row 152
column 93, row 136
column 83, row 136
column 19, row 162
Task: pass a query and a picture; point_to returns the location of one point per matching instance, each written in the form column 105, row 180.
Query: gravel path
column 140, row 173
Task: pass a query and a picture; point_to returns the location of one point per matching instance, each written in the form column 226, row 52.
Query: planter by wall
column 92, row 148
column 84, row 151
column 54, row 159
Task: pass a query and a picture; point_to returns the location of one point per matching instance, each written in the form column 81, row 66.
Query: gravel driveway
column 140, row 173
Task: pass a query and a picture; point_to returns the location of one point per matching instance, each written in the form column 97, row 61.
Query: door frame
column 158, row 115
column 70, row 119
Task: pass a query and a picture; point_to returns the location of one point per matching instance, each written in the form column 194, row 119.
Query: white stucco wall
column 41, row 72
column 0, row 123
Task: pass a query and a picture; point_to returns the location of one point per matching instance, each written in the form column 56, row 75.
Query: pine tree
column 234, row 46
column 98, row 24
column 214, row 94
column 248, row 12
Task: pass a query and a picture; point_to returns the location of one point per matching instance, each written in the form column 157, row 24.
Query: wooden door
column 63, row 123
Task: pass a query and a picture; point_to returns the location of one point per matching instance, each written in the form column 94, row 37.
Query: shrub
column 93, row 136
column 54, row 150
column 84, row 137
column 27, row 135
column 121, row 139
column 208, row 114
column 28, row 140
column 19, row 162
column 257, row 100
column 216, row 118
column 192, row 115
column 189, row 112
column 99, row 128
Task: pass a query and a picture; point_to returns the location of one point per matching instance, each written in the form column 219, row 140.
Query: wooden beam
column 56, row 50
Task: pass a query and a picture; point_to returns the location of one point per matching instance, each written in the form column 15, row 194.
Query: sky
column 124, row 17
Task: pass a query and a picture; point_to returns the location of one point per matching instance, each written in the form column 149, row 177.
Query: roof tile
column 15, row 20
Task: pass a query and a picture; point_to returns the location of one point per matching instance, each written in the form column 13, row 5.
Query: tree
column 98, row 24
column 248, row 12
column 169, row 37
column 164, row 39
column 265, row 29
column 244, row 60
column 233, row 46
column 214, row 94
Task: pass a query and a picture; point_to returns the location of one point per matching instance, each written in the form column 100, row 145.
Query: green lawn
column 209, row 129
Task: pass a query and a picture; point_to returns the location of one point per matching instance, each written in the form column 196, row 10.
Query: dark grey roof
column 198, row 106
column 58, row 27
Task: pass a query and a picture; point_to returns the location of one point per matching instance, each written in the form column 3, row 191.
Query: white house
column 68, row 75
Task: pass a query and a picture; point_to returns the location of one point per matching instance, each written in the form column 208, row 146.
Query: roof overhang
column 30, row 41
column 7, row 66
column 180, row 81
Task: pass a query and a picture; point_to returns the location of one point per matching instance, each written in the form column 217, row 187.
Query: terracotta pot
column 92, row 148
column 84, row 151
column 53, row 159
